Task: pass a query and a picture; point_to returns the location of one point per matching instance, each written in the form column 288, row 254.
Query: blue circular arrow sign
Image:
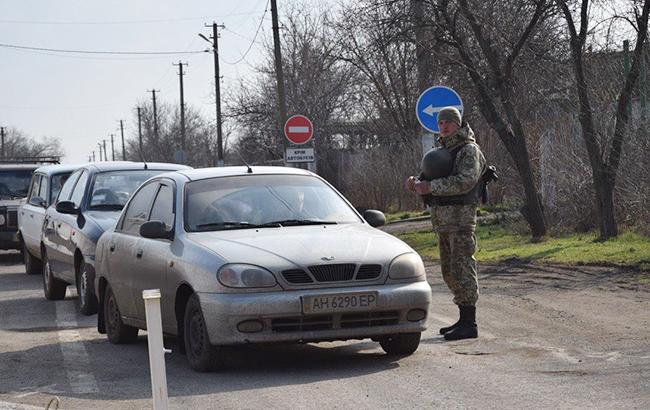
column 431, row 101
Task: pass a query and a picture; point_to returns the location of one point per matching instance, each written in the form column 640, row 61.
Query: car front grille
column 368, row 272
column 297, row 276
column 12, row 218
column 339, row 321
column 331, row 273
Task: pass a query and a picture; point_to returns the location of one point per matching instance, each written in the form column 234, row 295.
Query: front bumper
column 223, row 313
column 9, row 240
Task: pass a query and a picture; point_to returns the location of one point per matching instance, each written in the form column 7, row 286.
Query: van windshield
column 15, row 183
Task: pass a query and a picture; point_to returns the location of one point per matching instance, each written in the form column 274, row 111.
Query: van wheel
column 202, row 356
column 87, row 301
column 402, row 344
column 116, row 330
column 33, row 265
column 53, row 288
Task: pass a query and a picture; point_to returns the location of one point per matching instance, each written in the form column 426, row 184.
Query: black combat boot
column 466, row 328
column 444, row 330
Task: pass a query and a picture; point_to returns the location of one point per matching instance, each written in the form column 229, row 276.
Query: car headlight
column 239, row 275
column 408, row 265
column 2, row 220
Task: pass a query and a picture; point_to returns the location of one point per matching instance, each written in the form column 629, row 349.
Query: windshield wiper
column 297, row 222
column 236, row 225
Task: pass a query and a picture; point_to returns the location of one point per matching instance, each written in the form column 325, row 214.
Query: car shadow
column 121, row 372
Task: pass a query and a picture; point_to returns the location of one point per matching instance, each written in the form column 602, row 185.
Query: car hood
column 304, row 245
column 104, row 219
column 12, row 203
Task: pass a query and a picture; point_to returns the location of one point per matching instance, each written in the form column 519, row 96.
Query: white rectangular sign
column 300, row 155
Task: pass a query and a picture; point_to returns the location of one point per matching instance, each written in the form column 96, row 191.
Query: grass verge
column 498, row 244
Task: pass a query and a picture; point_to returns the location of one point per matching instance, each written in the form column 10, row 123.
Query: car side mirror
column 38, row 201
column 374, row 218
column 155, row 230
column 67, row 207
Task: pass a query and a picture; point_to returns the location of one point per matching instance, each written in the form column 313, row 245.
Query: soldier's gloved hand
column 422, row 187
column 410, row 184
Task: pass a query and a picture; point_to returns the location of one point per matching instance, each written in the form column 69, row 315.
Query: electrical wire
column 55, row 50
column 124, row 21
column 266, row 9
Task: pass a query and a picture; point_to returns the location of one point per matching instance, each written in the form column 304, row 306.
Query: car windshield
column 241, row 202
column 111, row 190
column 15, row 183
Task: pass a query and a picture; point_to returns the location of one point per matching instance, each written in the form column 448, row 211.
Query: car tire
column 33, row 265
column 87, row 301
column 202, row 356
column 53, row 288
column 402, row 344
column 116, row 330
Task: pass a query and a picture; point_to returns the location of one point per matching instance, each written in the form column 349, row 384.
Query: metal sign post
column 156, row 348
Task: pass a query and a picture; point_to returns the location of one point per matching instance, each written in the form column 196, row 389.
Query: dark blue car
column 89, row 203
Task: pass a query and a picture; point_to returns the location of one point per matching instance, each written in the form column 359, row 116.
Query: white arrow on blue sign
column 431, row 101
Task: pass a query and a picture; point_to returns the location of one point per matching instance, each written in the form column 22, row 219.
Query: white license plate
column 343, row 302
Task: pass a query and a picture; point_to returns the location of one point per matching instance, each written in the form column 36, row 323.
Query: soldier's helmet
column 437, row 163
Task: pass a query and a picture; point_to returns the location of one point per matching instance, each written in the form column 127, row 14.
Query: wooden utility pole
column 105, row 155
column 112, row 148
column 2, row 134
column 122, row 133
column 140, row 133
column 278, row 72
column 99, row 144
column 93, row 156
column 180, row 76
column 217, row 89
column 155, row 114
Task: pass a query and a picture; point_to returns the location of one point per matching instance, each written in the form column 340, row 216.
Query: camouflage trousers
column 458, row 265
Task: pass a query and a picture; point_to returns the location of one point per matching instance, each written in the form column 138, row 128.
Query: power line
column 124, row 21
column 101, row 52
column 266, row 9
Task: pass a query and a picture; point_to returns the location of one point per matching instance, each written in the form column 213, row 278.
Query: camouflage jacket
column 468, row 168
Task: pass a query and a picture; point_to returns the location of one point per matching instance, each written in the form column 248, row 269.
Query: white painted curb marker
column 156, row 348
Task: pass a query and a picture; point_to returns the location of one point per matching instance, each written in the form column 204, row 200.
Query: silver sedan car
column 256, row 255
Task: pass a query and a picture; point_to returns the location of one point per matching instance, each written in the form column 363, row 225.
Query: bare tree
column 604, row 157
column 17, row 144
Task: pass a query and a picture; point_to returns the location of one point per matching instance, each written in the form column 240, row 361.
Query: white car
column 44, row 188
column 257, row 255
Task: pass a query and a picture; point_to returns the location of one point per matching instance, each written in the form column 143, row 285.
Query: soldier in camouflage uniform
column 455, row 199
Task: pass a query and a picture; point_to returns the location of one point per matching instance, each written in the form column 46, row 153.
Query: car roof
column 16, row 167
column 205, row 173
column 128, row 165
column 58, row 168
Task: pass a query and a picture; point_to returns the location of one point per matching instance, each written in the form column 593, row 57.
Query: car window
column 15, row 183
column 36, row 184
column 57, row 181
column 42, row 192
column 67, row 188
column 111, row 190
column 79, row 189
column 138, row 211
column 163, row 206
column 221, row 203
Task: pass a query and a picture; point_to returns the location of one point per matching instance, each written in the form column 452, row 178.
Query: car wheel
column 402, row 344
column 33, row 265
column 201, row 355
column 116, row 330
column 53, row 288
column 87, row 300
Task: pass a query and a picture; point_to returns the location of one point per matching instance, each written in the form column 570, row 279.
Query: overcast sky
column 80, row 98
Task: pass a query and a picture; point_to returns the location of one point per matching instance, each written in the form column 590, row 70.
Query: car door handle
column 138, row 253
column 31, row 215
column 111, row 247
column 58, row 225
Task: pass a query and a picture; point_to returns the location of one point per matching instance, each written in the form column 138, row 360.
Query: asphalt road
column 550, row 337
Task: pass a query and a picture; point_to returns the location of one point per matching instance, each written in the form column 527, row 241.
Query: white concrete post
column 156, row 348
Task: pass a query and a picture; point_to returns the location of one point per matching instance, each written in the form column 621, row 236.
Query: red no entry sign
column 298, row 129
